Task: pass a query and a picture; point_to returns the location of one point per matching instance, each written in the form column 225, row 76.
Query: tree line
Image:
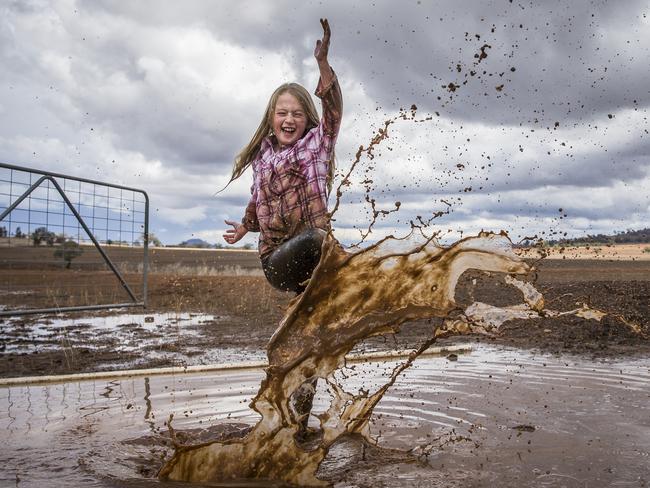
column 624, row 237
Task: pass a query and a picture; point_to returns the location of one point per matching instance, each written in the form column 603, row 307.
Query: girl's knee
column 313, row 237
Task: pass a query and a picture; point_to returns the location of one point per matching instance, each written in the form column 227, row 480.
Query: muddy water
column 155, row 334
column 495, row 417
column 43, row 332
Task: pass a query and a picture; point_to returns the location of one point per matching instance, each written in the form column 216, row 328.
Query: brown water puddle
column 495, row 417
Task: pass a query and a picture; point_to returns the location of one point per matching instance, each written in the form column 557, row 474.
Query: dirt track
column 250, row 311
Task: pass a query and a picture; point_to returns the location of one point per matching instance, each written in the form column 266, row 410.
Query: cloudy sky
column 523, row 108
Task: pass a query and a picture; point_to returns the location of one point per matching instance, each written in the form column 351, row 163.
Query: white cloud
column 184, row 216
column 160, row 96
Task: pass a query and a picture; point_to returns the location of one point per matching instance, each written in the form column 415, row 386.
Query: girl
column 292, row 155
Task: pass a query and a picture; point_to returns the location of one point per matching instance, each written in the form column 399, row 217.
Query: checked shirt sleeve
column 250, row 216
column 332, row 103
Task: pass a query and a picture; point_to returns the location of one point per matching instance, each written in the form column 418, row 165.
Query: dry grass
column 31, row 278
column 617, row 252
column 180, row 269
column 241, row 296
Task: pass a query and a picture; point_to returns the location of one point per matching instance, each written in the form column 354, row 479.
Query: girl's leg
column 286, row 268
column 293, row 262
column 302, row 400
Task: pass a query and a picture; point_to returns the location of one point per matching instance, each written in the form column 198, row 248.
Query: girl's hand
column 237, row 232
column 322, row 46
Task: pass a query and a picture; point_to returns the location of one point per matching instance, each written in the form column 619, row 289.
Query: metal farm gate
column 69, row 243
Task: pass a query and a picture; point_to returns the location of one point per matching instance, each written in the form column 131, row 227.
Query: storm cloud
column 522, row 108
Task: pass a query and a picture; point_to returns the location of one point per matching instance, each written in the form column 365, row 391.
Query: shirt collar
column 267, row 143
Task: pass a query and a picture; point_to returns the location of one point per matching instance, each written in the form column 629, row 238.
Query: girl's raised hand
column 322, row 46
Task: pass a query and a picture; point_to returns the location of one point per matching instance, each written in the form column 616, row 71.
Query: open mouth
column 288, row 130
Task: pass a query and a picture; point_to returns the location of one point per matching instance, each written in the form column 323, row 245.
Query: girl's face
column 289, row 119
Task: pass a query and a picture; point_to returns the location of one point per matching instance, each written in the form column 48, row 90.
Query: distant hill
column 196, row 243
column 628, row 237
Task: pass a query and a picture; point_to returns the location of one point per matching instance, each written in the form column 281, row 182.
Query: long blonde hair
column 250, row 151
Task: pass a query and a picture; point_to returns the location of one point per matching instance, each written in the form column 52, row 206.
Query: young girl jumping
column 292, row 156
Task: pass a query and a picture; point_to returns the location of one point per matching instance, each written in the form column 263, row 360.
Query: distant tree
column 42, row 234
column 153, row 240
column 619, row 237
column 19, row 233
column 248, row 246
column 3, row 232
column 60, row 239
column 68, row 252
column 195, row 243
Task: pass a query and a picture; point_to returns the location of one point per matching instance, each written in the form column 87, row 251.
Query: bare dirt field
column 243, row 311
column 616, row 252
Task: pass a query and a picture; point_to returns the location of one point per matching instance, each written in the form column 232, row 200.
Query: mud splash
column 350, row 297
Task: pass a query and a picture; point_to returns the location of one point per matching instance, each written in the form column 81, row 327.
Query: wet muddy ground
column 498, row 416
column 230, row 317
column 548, row 402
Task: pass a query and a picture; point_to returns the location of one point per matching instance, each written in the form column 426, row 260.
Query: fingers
column 235, row 228
column 233, row 235
column 326, row 30
column 322, row 45
column 230, row 234
column 230, row 237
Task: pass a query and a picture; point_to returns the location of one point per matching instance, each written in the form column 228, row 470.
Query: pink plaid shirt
column 289, row 192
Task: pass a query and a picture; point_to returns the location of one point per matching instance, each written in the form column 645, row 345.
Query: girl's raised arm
column 328, row 89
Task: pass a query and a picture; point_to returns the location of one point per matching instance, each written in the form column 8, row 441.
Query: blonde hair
column 250, row 151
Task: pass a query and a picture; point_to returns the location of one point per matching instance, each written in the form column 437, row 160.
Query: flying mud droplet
column 482, row 54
